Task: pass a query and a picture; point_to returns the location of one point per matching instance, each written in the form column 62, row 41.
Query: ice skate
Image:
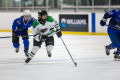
column 116, row 56
column 107, row 50
column 17, row 50
column 49, row 53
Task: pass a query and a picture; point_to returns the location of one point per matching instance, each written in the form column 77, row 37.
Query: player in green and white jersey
column 43, row 30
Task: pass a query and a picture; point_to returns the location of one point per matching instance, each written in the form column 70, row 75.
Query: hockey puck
column 75, row 64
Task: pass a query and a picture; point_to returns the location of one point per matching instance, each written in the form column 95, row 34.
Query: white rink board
column 7, row 19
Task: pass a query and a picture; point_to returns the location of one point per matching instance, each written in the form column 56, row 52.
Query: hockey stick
column 69, row 53
column 113, row 27
column 17, row 36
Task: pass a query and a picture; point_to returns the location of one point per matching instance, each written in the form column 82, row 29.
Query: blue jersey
column 115, row 17
column 19, row 23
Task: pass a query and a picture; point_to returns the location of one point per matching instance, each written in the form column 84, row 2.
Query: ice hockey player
column 113, row 31
column 20, row 28
column 43, row 31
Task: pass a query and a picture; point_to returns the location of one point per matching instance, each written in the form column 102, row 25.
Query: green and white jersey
column 49, row 25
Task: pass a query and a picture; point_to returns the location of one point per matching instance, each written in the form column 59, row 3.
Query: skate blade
column 116, row 59
column 49, row 55
column 26, row 63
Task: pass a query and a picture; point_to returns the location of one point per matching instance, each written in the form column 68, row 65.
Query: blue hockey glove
column 103, row 22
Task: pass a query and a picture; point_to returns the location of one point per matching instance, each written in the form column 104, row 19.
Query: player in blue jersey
column 113, row 31
column 20, row 28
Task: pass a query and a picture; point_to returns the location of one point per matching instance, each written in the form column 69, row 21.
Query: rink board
column 94, row 27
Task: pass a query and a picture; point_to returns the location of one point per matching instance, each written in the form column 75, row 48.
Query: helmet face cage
column 26, row 13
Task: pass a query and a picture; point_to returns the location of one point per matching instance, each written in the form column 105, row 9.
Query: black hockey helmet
column 42, row 12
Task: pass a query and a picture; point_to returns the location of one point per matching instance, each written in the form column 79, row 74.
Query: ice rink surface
column 87, row 51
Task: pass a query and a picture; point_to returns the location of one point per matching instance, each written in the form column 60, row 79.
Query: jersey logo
column 118, row 15
column 110, row 12
column 19, row 21
column 117, row 10
column 44, row 30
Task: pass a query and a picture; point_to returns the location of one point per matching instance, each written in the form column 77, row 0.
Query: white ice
column 87, row 51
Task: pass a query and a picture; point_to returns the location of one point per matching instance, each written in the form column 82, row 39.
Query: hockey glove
column 103, row 22
column 21, row 29
column 58, row 32
column 15, row 34
column 37, row 37
column 40, row 37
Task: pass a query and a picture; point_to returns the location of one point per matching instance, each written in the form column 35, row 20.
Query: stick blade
column 75, row 63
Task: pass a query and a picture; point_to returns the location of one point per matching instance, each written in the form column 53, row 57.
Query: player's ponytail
column 22, row 16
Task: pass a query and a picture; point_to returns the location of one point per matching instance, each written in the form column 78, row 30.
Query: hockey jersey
column 49, row 26
column 19, row 23
column 115, row 17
